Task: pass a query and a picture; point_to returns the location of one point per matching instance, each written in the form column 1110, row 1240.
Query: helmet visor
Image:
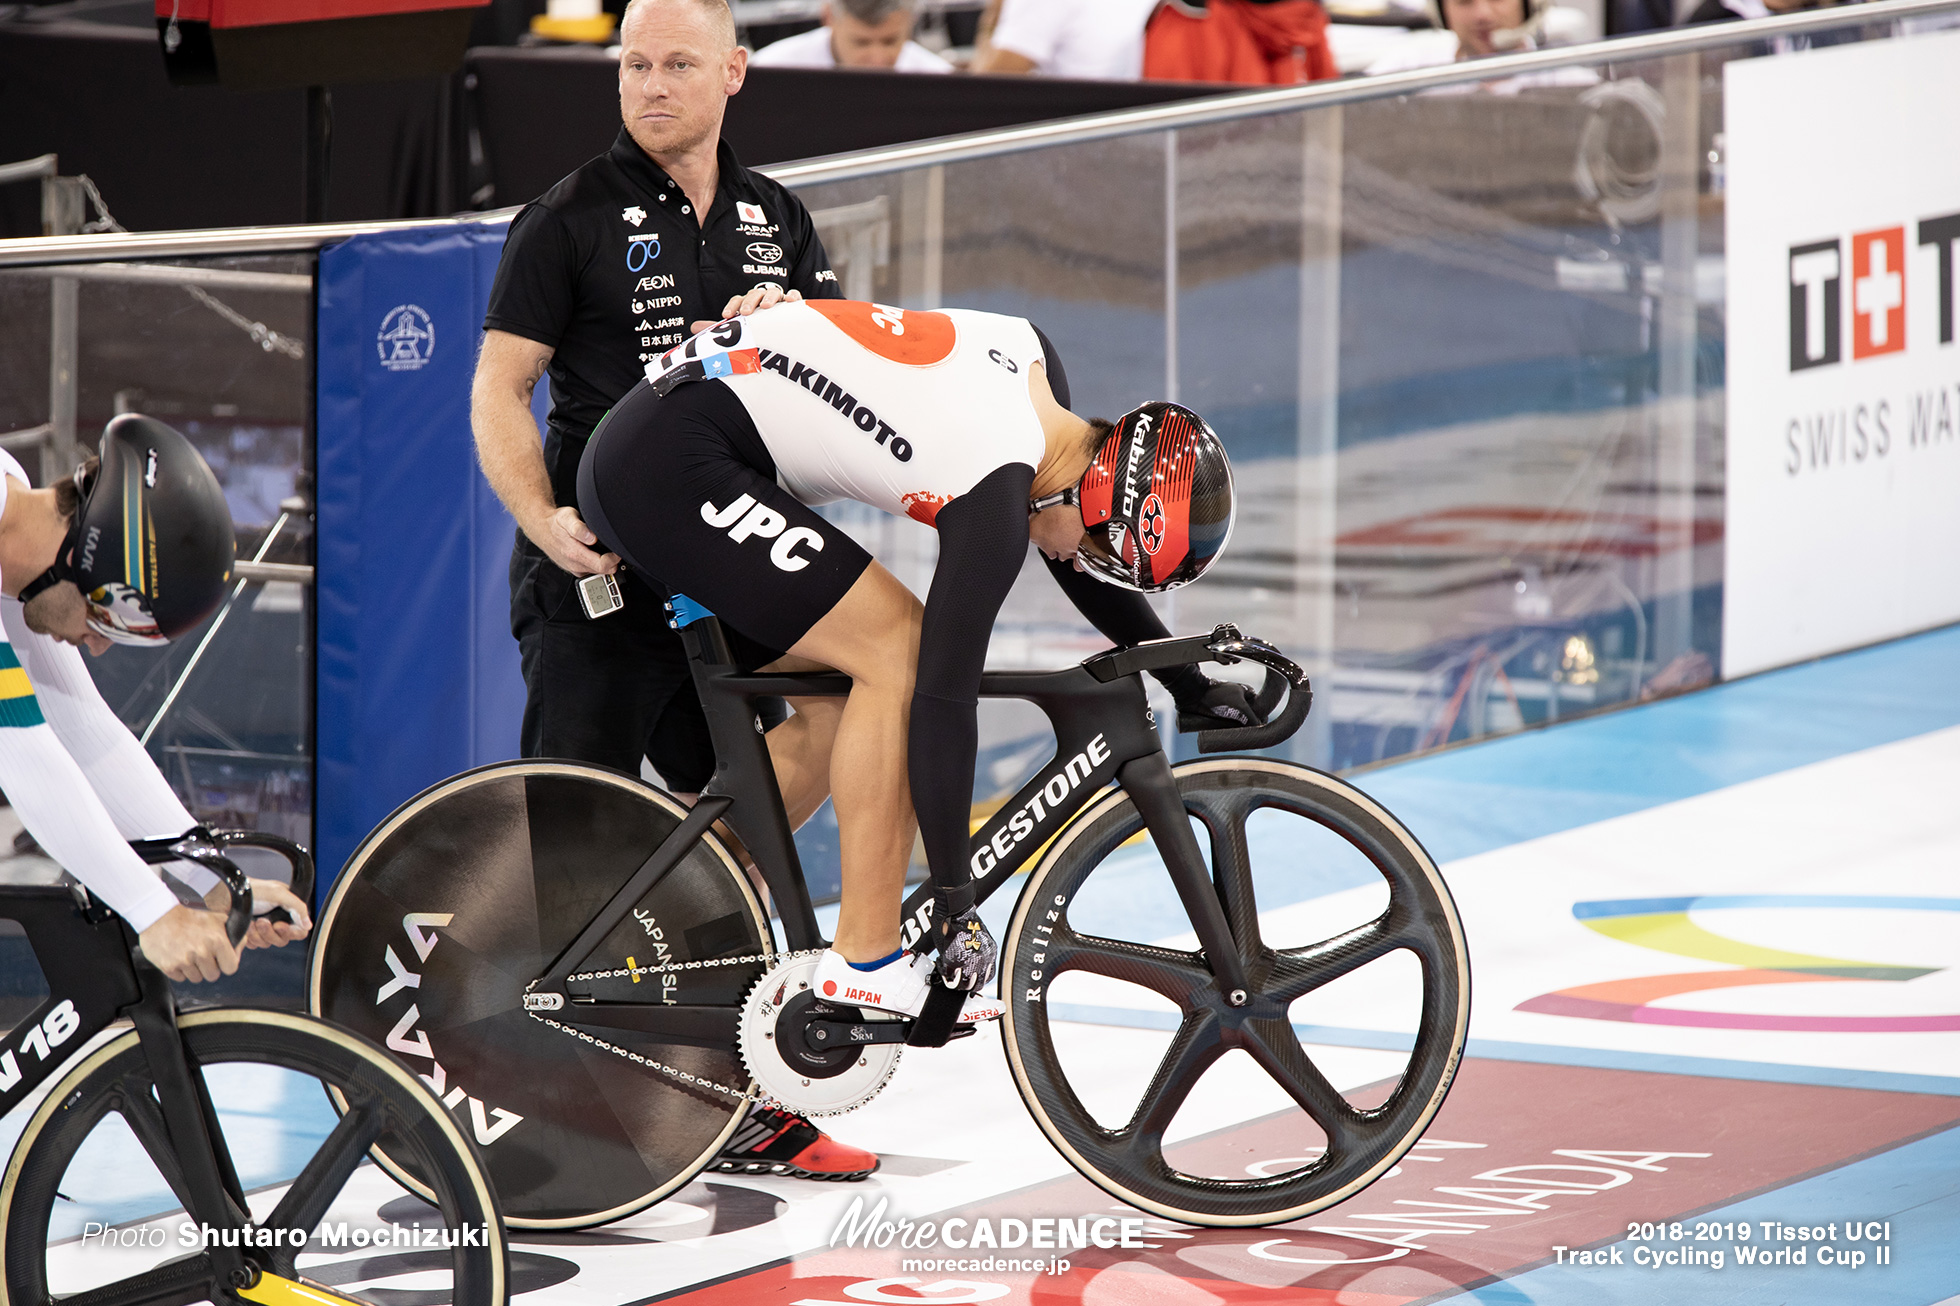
column 1108, row 552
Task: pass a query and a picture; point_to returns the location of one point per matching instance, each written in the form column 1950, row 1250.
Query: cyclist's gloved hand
column 1215, row 705
column 967, row 952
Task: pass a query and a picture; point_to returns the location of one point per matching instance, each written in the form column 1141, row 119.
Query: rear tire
column 1129, row 1161
column 468, row 893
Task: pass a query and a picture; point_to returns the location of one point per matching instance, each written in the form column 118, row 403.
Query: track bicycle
column 143, row 1096
column 578, row 964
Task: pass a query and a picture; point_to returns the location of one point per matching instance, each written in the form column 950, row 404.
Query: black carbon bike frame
column 1104, row 734
column 95, row 976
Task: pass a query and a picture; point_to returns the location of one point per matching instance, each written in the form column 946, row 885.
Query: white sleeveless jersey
column 901, row 409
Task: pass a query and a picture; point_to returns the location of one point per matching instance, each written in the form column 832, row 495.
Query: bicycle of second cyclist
column 578, row 964
column 138, row 1102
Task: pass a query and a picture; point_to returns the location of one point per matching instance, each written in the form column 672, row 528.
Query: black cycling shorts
column 684, row 490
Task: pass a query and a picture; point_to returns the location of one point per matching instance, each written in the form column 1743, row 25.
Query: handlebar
column 205, row 847
column 1225, row 645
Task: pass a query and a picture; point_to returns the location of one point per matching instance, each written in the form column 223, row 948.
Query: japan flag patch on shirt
column 750, row 212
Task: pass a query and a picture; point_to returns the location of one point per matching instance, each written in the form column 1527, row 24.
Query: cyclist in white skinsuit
column 703, row 476
column 72, row 771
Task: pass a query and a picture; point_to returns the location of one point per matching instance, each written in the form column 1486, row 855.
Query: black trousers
column 617, row 689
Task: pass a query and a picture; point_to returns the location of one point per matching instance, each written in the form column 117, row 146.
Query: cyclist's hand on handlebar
column 186, row 944
column 1223, row 705
column 567, row 541
column 967, row 952
column 267, row 895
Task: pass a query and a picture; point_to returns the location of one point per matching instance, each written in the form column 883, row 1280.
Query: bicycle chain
column 673, row 1072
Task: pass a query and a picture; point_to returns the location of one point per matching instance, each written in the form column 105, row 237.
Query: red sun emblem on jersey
column 1150, row 525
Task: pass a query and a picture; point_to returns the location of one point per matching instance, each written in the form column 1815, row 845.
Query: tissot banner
column 1843, row 368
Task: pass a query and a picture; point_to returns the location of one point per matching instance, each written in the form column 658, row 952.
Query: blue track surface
column 1490, row 795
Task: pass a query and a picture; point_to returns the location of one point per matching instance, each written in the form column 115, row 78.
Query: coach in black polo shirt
column 617, row 263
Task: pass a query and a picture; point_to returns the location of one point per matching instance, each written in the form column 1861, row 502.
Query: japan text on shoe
column 900, row 985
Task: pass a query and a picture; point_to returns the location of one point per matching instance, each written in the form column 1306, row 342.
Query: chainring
column 810, row 1083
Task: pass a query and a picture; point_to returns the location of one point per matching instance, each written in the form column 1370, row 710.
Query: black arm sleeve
column 983, row 539
column 1124, row 617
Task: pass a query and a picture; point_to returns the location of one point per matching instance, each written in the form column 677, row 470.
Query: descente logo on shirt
column 835, row 395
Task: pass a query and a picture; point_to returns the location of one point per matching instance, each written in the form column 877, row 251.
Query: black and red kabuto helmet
column 1157, row 500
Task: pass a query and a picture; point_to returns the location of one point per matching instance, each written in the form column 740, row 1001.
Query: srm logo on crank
column 408, row 1041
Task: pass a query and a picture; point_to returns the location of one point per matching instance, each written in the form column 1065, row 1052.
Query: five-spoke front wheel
column 1357, row 946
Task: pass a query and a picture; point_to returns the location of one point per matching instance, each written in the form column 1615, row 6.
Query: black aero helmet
column 151, row 547
column 1156, row 501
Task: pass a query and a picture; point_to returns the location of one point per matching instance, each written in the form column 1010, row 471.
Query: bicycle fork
column 1153, row 788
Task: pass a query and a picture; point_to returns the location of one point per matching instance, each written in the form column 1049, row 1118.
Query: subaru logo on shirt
column 764, row 252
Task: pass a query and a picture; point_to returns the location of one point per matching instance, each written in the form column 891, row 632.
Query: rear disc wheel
column 461, row 898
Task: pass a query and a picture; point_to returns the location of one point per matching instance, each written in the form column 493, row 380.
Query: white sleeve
column 65, row 817
column 1031, row 29
column 127, row 783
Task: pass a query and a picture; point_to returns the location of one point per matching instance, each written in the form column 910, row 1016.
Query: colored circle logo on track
column 1664, row 925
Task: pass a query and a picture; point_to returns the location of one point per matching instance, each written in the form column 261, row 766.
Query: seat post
column 744, row 774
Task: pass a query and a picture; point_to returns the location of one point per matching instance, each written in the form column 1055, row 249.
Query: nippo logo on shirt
column 916, row 338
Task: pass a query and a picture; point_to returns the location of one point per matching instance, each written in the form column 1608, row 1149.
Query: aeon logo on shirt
column 1878, row 292
column 745, row 519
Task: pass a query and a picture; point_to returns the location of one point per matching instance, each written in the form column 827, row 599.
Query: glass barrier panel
column 1466, row 348
column 218, row 348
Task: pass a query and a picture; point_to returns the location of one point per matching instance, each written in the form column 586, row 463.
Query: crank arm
column 827, row 1035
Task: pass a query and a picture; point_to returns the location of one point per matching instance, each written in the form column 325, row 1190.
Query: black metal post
column 319, row 154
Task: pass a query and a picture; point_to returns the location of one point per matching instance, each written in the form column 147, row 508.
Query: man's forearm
column 512, row 455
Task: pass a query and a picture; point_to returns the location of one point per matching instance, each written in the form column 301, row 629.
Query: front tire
column 1069, row 920
column 112, row 1087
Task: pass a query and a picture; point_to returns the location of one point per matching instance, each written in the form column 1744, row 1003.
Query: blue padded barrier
column 417, row 672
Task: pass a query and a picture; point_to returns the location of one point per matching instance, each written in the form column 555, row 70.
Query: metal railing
column 988, row 144
column 919, row 238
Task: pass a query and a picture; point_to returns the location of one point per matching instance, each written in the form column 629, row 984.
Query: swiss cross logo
column 1872, row 288
column 1878, row 292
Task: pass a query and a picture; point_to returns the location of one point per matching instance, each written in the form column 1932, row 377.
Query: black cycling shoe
column 776, row 1142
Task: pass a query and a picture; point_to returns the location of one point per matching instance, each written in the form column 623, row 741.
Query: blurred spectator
column 856, row 34
column 1475, row 29
column 1724, row 11
column 1255, row 42
column 1100, row 40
